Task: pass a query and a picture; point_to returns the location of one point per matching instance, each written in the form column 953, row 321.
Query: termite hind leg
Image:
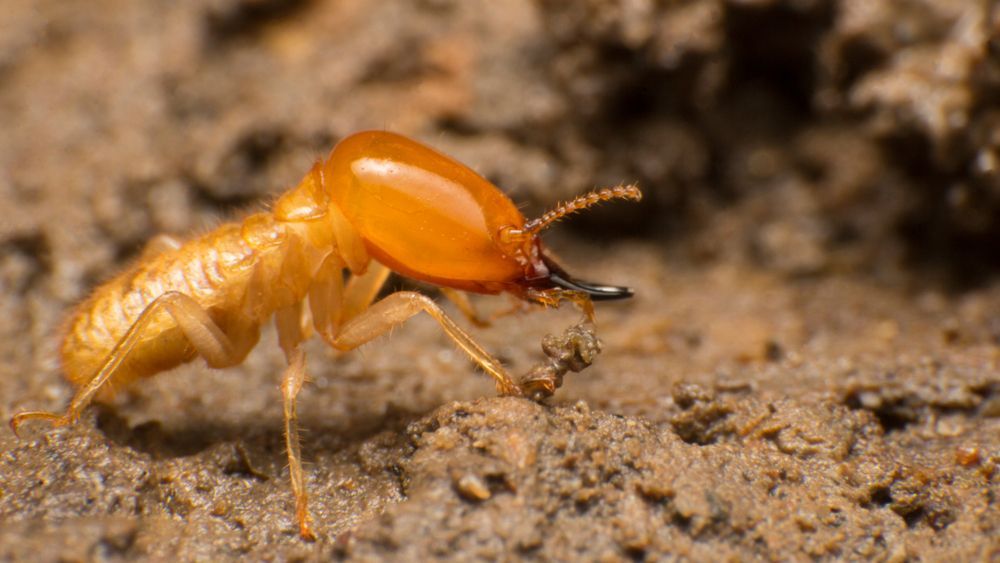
column 206, row 337
column 400, row 306
column 55, row 418
column 290, row 337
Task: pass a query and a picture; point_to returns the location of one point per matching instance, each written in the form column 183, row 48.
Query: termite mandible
column 379, row 203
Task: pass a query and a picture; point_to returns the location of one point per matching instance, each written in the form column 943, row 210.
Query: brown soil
column 810, row 367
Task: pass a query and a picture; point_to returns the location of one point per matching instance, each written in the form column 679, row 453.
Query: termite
column 379, row 203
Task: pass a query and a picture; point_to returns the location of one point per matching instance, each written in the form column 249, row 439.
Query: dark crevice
column 892, row 416
column 245, row 171
column 243, row 19
column 776, row 47
column 153, row 439
column 914, row 517
column 880, row 497
column 24, row 261
column 859, row 57
column 952, row 224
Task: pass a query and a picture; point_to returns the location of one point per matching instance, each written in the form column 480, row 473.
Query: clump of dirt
column 810, row 366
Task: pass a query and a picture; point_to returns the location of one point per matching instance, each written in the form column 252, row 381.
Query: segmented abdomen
column 213, row 269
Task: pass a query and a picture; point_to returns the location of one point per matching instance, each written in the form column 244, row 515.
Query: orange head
column 432, row 218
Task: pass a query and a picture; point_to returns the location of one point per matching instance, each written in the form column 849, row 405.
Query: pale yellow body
column 240, row 274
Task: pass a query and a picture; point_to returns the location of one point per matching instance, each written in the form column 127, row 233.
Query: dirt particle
column 967, row 456
column 472, row 487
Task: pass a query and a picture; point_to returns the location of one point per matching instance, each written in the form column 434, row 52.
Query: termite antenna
column 581, row 202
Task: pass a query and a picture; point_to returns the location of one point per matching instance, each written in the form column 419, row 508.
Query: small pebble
column 471, row 487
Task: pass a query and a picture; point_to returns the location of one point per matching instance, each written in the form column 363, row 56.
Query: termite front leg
column 331, row 303
column 290, row 338
column 326, row 294
column 206, row 337
column 395, row 310
column 465, row 306
column 362, row 290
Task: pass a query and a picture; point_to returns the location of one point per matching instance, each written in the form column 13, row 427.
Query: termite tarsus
column 379, row 203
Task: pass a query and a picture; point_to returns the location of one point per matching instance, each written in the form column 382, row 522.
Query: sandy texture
column 810, row 367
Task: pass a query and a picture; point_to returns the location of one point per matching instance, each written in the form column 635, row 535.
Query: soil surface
column 810, row 367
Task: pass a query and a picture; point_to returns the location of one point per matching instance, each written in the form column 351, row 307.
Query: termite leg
column 362, row 290
column 395, row 310
column 326, row 295
column 465, row 306
column 206, row 337
column 288, row 322
column 331, row 303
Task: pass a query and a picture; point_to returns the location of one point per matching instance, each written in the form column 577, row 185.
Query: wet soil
column 810, row 367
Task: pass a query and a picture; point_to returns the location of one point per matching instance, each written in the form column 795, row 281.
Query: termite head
column 545, row 281
column 431, row 218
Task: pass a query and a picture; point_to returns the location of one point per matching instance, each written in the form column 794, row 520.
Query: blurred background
column 803, row 136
